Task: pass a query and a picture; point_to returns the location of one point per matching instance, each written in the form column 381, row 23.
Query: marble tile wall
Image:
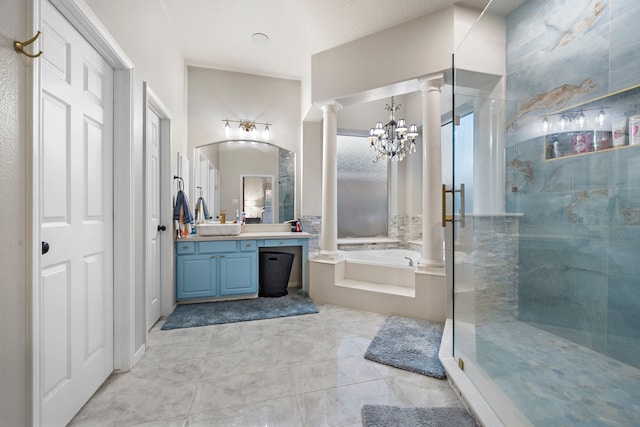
column 578, row 277
column 312, row 224
column 488, row 248
column 405, row 228
column 400, row 227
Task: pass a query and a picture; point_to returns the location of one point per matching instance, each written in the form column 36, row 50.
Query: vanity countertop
column 254, row 235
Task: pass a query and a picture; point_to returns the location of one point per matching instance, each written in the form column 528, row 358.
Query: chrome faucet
column 410, row 261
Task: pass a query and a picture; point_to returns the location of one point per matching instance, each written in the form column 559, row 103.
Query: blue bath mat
column 215, row 313
column 409, row 344
column 393, row 416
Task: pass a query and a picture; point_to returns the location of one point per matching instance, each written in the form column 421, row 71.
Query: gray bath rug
column 409, row 344
column 215, row 313
column 393, row 416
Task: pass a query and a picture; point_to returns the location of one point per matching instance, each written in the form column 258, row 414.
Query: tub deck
column 387, row 289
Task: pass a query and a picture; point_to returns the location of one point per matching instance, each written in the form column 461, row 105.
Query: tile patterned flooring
column 293, row 371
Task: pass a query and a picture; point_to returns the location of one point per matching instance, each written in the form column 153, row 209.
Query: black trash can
column 275, row 269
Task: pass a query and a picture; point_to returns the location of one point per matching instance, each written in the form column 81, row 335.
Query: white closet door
column 152, row 191
column 76, row 217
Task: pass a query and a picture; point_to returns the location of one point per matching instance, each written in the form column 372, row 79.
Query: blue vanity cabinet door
column 238, row 273
column 196, row 276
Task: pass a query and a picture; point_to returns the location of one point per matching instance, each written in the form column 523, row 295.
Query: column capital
column 432, row 82
column 330, row 106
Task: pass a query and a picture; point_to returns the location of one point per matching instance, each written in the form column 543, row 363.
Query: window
column 362, row 190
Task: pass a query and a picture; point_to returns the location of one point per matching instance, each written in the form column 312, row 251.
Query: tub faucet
column 410, row 261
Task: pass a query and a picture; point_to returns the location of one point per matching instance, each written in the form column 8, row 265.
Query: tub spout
column 410, row 261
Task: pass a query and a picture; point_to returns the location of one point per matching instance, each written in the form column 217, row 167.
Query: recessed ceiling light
column 260, row 38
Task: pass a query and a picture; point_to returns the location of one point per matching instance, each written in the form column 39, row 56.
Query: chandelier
column 393, row 141
column 247, row 129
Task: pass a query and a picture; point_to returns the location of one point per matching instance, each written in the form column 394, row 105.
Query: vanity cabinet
column 212, row 268
column 209, row 269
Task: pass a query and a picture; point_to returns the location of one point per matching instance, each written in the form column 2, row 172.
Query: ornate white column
column 329, row 222
column 432, row 231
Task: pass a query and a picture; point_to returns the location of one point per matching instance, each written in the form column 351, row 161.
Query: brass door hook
column 19, row 46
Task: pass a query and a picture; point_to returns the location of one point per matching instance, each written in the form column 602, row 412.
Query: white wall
column 215, row 95
column 312, row 169
column 484, row 47
column 416, row 48
column 14, row 310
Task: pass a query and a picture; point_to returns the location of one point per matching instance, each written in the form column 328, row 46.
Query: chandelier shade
column 393, row 141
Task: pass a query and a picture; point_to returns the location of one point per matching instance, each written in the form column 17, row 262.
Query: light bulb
column 581, row 119
column 266, row 133
column 601, row 116
column 227, row 129
column 545, row 124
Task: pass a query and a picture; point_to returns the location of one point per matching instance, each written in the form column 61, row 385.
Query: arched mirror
column 254, row 177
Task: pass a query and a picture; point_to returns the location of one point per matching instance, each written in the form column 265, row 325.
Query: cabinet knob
column 213, row 257
column 221, row 256
column 185, row 247
column 162, row 228
column 45, row 247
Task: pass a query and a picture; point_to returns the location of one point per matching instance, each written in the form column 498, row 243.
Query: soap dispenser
column 223, row 217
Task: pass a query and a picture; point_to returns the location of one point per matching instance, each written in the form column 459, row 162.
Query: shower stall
column 546, row 278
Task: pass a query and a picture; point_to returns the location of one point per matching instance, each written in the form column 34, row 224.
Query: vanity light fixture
column 393, row 141
column 247, row 127
column 576, row 119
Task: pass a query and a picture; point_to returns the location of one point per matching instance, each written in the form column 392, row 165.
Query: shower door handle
column 450, row 218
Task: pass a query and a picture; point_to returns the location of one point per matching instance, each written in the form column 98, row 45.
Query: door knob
column 161, row 228
column 45, row 247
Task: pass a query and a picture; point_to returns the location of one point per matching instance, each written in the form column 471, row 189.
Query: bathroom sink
column 217, row 229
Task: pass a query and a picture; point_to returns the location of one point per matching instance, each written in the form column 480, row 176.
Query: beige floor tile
column 341, row 406
column 281, row 412
column 313, row 376
column 295, row 371
column 242, row 389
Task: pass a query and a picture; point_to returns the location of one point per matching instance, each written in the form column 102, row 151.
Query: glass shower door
column 546, row 292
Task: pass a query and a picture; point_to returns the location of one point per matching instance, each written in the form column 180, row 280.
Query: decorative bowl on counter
column 217, row 229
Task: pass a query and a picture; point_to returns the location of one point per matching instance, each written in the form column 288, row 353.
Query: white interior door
column 76, row 218
column 152, row 191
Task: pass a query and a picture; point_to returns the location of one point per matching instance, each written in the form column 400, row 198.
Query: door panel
column 55, row 209
column 56, row 332
column 76, row 199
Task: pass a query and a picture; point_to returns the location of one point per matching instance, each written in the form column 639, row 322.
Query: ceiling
column 217, row 33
